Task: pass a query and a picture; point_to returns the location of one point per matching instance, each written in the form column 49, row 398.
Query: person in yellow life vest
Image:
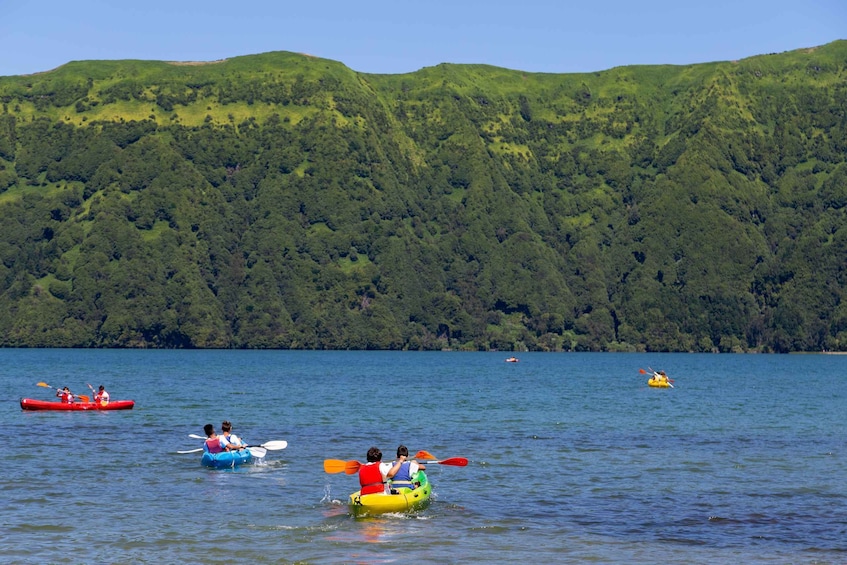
column 102, row 397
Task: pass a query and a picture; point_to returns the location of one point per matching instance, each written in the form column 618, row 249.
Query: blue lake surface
column 573, row 458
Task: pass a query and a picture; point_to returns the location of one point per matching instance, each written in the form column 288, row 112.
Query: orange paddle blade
column 84, row 398
column 352, row 467
column 334, row 465
column 424, row 455
column 642, row 371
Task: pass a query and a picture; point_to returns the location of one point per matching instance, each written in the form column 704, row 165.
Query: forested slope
column 284, row 201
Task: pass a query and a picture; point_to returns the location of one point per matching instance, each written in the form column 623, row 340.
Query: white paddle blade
column 192, row 451
column 195, row 436
column 275, row 445
column 258, row 452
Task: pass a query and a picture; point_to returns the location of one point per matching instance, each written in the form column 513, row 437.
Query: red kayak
column 32, row 404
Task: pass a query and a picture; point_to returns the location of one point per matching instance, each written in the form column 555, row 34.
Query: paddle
column 351, row 467
column 273, row 445
column 257, row 452
column 81, row 397
column 338, row 466
column 656, row 376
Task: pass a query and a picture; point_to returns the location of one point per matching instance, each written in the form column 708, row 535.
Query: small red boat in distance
column 33, row 404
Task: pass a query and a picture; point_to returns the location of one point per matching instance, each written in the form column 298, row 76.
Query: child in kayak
column 215, row 443
column 65, row 395
column 373, row 475
column 402, row 470
column 226, row 432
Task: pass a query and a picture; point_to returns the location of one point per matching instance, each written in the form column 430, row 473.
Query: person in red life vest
column 215, row 443
column 102, row 397
column 402, row 470
column 373, row 475
column 65, row 395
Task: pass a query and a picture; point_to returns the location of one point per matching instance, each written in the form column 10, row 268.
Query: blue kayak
column 226, row 459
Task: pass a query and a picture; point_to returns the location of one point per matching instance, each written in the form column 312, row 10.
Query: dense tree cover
column 284, row 201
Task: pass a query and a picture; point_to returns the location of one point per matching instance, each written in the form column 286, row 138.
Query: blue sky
column 393, row 36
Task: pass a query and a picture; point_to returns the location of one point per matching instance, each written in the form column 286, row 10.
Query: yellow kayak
column 404, row 501
column 659, row 383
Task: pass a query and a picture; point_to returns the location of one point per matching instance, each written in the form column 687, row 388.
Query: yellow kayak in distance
column 659, row 383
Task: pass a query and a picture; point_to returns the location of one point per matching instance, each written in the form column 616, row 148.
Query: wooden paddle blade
column 352, row 467
column 275, row 445
column 334, row 465
column 454, row 461
column 424, row 455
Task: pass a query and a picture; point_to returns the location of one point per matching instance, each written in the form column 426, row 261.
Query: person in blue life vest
column 215, row 443
column 403, row 469
column 373, row 475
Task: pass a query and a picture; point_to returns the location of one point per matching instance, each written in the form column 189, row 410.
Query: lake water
column 573, row 458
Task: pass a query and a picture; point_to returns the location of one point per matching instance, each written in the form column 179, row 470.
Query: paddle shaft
column 351, row 467
column 273, row 445
column 257, row 452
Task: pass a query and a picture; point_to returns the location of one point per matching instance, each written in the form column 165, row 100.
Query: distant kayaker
column 402, row 470
column 65, row 395
column 226, row 432
column 373, row 475
column 215, row 443
column 102, row 397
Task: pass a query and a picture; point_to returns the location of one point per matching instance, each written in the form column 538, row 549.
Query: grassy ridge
column 281, row 200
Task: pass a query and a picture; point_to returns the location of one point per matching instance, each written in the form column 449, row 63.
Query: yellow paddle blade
column 43, row 384
column 334, row 465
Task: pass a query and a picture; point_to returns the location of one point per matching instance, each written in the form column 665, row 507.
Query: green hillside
column 285, row 201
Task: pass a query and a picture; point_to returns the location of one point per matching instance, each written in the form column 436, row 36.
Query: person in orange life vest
column 215, row 443
column 66, row 395
column 402, row 470
column 373, row 475
column 102, row 397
